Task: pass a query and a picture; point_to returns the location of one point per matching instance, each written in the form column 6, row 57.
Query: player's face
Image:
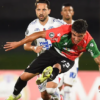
column 42, row 11
column 77, row 37
column 67, row 12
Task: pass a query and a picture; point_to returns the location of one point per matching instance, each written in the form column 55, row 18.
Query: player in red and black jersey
column 68, row 42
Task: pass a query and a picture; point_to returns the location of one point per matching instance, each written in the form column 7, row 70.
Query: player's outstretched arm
column 12, row 45
column 97, row 60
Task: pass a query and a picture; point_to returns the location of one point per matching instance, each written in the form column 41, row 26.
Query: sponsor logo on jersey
column 46, row 44
column 51, row 34
column 54, row 39
column 37, row 29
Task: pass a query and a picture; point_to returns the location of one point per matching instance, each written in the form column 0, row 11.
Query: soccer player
column 68, row 78
column 43, row 22
column 68, row 42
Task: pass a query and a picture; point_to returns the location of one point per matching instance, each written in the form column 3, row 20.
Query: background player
column 68, row 78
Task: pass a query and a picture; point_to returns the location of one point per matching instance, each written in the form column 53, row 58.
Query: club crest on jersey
column 51, row 34
column 80, row 47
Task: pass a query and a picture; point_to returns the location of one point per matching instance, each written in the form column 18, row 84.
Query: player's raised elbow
column 27, row 46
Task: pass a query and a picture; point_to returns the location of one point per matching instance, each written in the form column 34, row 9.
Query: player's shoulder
column 87, row 37
column 33, row 23
column 56, row 21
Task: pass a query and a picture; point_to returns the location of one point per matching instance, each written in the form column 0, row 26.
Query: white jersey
column 35, row 26
column 65, row 22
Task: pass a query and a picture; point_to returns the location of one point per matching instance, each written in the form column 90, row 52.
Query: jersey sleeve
column 92, row 48
column 30, row 29
column 54, row 35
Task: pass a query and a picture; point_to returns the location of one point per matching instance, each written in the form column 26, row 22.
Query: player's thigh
column 70, row 77
column 65, row 63
column 40, row 63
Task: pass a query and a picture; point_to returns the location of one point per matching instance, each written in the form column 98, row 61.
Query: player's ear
column 73, row 13
column 49, row 11
column 61, row 13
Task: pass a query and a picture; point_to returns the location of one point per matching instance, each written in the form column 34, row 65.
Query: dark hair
column 42, row 1
column 80, row 26
column 66, row 5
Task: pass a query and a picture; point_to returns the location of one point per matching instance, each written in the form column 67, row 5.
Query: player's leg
column 48, row 93
column 69, row 81
column 60, row 85
column 62, row 65
column 49, row 73
column 51, row 88
column 61, row 92
column 20, row 84
column 36, row 67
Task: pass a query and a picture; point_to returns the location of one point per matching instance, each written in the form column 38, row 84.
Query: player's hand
column 11, row 45
column 38, row 49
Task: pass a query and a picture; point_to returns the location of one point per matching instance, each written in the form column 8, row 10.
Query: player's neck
column 67, row 21
column 44, row 22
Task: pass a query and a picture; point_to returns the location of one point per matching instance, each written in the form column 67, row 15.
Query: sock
column 54, row 92
column 20, row 84
column 54, row 74
column 67, row 91
column 42, row 86
column 61, row 94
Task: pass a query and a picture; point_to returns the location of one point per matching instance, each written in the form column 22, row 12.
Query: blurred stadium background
column 15, row 15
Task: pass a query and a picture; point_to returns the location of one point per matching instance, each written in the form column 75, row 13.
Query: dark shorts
column 49, row 58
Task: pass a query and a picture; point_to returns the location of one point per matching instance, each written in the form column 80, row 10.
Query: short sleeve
column 31, row 28
column 92, row 48
column 54, row 35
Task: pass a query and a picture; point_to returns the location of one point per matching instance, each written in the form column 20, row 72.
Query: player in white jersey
column 36, row 26
column 43, row 22
column 68, row 78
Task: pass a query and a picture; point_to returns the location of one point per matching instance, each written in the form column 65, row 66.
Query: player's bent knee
column 67, row 89
column 51, row 85
column 58, row 66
